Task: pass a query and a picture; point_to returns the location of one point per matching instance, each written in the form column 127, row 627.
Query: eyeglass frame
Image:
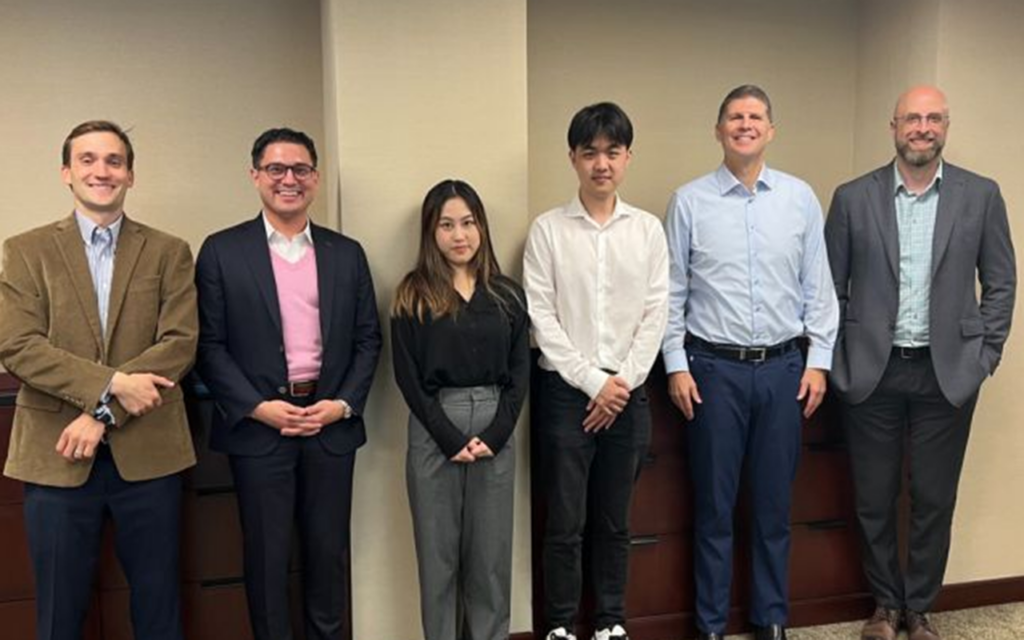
column 270, row 169
column 933, row 119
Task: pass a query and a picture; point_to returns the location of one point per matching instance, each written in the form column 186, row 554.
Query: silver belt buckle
column 757, row 354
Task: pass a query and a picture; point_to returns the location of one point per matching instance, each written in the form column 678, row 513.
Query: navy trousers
column 750, row 419
column 300, row 481
column 64, row 526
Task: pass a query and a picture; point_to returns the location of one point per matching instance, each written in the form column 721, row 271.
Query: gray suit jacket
column 971, row 244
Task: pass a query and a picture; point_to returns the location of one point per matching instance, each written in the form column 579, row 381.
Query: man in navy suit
column 289, row 340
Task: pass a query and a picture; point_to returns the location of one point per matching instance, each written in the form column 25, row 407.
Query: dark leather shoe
column 884, row 624
column 710, row 636
column 919, row 628
column 771, row 632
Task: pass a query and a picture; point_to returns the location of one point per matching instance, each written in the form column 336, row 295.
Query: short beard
column 919, row 158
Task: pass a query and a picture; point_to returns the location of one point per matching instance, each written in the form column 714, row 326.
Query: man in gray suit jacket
column 908, row 244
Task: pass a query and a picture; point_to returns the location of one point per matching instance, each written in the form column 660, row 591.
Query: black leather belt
column 911, row 353
column 742, row 354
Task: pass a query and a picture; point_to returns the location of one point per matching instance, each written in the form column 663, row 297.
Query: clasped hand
column 473, row 451
column 292, row 420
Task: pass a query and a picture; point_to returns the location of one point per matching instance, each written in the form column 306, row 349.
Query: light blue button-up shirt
column 915, row 218
column 100, row 246
column 748, row 268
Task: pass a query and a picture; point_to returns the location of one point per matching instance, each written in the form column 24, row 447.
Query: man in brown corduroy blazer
column 98, row 321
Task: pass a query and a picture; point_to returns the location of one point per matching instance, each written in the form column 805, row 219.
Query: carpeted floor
column 1003, row 622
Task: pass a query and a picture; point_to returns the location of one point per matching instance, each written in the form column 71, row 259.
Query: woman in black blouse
column 461, row 356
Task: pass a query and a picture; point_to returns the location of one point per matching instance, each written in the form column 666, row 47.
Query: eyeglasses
column 915, row 119
column 278, row 171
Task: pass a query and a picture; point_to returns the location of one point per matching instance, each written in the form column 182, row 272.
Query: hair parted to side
column 428, row 288
column 604, row 119
column 96, row 126
column 281, row 134
column 745, row 91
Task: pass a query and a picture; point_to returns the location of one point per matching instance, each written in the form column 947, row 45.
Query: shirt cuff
column 593, row 382
column 675, row 361
column 818, row 358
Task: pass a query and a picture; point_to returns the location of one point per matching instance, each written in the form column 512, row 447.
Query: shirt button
column 282, row 390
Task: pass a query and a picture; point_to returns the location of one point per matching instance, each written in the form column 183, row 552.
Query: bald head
column 915, row 99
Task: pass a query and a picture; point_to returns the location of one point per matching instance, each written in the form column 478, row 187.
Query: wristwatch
column 105, row 415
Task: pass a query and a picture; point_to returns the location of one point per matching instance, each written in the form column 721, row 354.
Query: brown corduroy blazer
column 50, row 339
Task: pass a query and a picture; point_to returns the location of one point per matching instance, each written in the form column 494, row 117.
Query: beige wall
column 424, row 91
column 416, row 92
column 669, row 64
column 195, row 82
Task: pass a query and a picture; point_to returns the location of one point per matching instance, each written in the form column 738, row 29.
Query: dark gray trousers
column 907, row 405
column 462, row 522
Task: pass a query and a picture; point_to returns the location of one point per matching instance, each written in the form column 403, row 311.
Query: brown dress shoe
column 883, row 625
column 919, row 628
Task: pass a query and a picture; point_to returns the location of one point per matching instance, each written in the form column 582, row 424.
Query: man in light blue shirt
column 749, row 278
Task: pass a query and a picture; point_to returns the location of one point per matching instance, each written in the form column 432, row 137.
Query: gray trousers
column 462, row 523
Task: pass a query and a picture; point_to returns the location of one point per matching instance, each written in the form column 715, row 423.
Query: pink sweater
column 299, row 299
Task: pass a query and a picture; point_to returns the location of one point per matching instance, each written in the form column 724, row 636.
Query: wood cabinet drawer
column 662, row 497
column 824, row 560
column 660, row 575
column 16, row 581
column 11, row 491
column 823, row 489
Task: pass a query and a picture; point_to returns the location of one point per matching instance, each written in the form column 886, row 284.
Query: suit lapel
column 69, row 245
column 951, row 191
column 257, row 256
column 129, row 247
column 326, row 270
column 884, row 208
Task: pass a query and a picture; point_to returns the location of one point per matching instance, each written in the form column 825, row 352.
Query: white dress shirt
column 290, row 250
column 598, row 295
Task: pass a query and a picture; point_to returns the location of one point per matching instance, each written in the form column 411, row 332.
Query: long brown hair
column 428, row 287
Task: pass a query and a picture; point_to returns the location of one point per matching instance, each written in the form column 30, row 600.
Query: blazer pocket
column 30, row 398
column 970, row 327
column 144, row 284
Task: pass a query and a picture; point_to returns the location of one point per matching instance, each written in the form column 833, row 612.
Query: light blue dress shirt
column 915, row 219
column 100, row 247
column 748, row 268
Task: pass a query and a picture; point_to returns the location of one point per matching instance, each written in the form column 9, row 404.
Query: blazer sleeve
column 26, row 348
column 236, row 395
column 997, row 272
column 355, row 387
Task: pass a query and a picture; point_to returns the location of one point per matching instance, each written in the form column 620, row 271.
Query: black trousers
column 587, row 472
column 299, row 481
column 64, row 527
column 908, row 405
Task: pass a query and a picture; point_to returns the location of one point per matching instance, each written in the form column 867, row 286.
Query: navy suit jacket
column 241, row 355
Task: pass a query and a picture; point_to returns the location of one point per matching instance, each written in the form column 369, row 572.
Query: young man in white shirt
column 596, row 279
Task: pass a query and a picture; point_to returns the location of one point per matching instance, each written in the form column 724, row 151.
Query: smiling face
column 285, row 197
column 919, row 126
column 457, row 233
column 744, row 130
column 98, row 173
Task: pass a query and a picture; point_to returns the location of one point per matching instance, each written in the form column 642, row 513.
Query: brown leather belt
column 299, row 389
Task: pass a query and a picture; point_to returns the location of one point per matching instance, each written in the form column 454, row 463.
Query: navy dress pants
column 750, row 419
column 64, row 527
